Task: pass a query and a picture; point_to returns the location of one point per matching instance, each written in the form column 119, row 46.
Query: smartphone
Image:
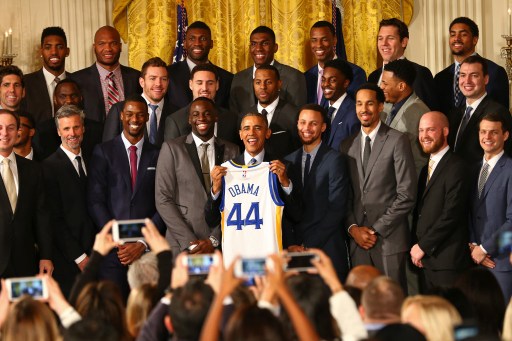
column 200, row 264
column 300, row 261
column 505, row 242
column 128, row 230
column 32, row 286
column 250, row 267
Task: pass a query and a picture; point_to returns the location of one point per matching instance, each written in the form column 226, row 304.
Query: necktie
column 462, row 127
column 307, row 165
column 153, row 127
column 81, row 171
column 112, row 91
column 391, row 116
column 205, row 166
column 264, row 112
column 133, row 164
column 9, row 184
column 319, row 92
column 366, row 153
column 457, row 96
column 430, row 168
column 483, row 179
column 252, row 162
column 56, row 81
column 330, row 113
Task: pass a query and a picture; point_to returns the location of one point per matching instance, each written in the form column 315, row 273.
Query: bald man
column 361, row 275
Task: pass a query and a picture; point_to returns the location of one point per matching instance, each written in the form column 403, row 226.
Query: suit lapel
column 125, row 162
column 475, row 117
column 144, row 163
column 496, row 171
column 400, row 113
column 437, row 172
column 4, row 198
column 337, row 119
column 318, row 159
column 219, row 152
column 359, row 160
column 194, row 157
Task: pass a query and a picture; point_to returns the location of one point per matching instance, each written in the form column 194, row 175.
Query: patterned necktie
column 391, row 116
column 462, row 127
column 483, row 179
column 9, row 184
column 153, row 126
column 366, row 153
column 252, row 162
column 133, row 165
column 457, row 96
column 307, row 165
column 205, row 166
column 112, row 91
column 430, row 168
column 319, row 92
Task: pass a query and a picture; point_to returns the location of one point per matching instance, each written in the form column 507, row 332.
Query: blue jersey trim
column 274, row 189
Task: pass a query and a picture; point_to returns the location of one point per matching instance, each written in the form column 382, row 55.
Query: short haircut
column 204, row 99
column 68, row 81
column 54, row 31
column 374, row 87
column 90, row 329
column 473, row 27
column 152, row 62
column 342, row 66
column 13, row 114
column 403, row 70
column 314, row 107
column 200, row 25
column 476, row 59
column 135, row 98
column 495, row 117
column 28, row 117
column 323, row 23
column 11, row 70
column 68, row 110
column 257, row 114
column 264, row 29
column 144, row 270
column 403, row 30
column 204, row 67
column 382, row 299
column 271, row 68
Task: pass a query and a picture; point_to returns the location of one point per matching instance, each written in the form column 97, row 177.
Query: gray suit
column 407, row 120
column 180, row 192
column 382, row 199
column 293, row 88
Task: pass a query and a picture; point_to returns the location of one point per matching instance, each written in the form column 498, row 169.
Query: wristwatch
column 215, row 242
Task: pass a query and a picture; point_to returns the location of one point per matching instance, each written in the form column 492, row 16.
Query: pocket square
column 151, row 168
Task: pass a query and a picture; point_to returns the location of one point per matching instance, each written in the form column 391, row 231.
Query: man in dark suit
column 322, row 39
column 391, row 42
column 106, row 82
column 204, row 82
column 12, row 90
column 154, row 81
column 198, row 43
column 41, row 84
column 477, row 103
column 383, row 178
column 440, row 217
column 24, row 146
column 65, row 175
column 122, row 186
column 25, row 232
column 491, row 202
column 341, row 118
column 463, row 39
column 263, row 46
column 325, row 186
column 281, row 115
column 181, row 193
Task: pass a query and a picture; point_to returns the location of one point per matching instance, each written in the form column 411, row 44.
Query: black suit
column 469, row 144
column 74, row 230
column 179, row 92
column 27, row 227
column 113, row 125
column 89, row 82
column 37, row 100
column 441, row 220
column 423, row 85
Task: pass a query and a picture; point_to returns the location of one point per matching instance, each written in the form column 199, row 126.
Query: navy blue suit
column 345, row 124
column 324, row 206
column 491, row 215
column 312, row 81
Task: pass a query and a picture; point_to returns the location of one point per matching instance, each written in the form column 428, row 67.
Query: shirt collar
column 11, row 157
column 49, row 77
column 160, row 104
column 259, row 158
column 373, row 133
column 254, row 68
column 338, row 102
column 439, row 155
column 104, row 72
column 270, row 108
column 313, row 152
column 321, row 68
column 493, row 160
column 199, row 142
column 127, row 144
column 69, row 154
column 398, row 105
column 476, row 103
column 191, row 64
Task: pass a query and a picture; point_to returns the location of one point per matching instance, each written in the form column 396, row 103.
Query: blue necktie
column 153, row 127
column 307, row 165
column 462, row 127
column 457, row 96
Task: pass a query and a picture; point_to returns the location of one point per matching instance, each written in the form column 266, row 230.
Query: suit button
column 419, row 216
column 364, row 212
column 365, row 191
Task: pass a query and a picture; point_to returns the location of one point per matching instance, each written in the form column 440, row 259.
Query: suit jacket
column 423, row 85
column 497, row 88
column 385, row 195
column 37, row 100
column 27, row 226
column 109, row 192
column 344, row 125
column 491, row 214
column 180, row 191
column 179, row 93
column 284, row 138
column 440, row 217
column 293, row 88
column 113, row 125
column 324, row 201
column 312, row 81
column 177, row 125
column 407, row 121
column 469, row 145
column 90, row 85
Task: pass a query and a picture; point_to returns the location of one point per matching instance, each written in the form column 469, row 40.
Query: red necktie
column 133, row 164
column 112, row 91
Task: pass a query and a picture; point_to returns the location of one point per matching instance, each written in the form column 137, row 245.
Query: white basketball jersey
column 251, row 211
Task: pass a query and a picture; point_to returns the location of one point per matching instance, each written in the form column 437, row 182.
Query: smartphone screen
column 300, row 261
column 253, row 266
column 32, row 286
column 199, row 264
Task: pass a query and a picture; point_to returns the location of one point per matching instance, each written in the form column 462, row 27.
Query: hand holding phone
column 32, row 286
column 128, row 230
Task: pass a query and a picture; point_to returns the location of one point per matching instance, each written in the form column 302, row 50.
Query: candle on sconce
column 509, row 21
column 9, row 42
column 4, row 50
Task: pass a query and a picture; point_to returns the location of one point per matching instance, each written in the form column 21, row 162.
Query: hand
column 130, row 252
column 279, row 169
column 103, row 242
column 45, row 267
column 364, row 236
column 83, row 263
column 214, row 278
column 325, row 269
column 180, row 272
column 416, row 255
column 156, row 242
column 4, row 303
column 488, row 262
column 56, row 298
column 229, row 281
column 216, row 175
column 275, row 273
column 202, row 246
column 296, row 248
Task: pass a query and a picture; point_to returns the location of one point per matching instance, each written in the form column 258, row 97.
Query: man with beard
column 323, row 176
column 23, row 145
column 440, row 217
